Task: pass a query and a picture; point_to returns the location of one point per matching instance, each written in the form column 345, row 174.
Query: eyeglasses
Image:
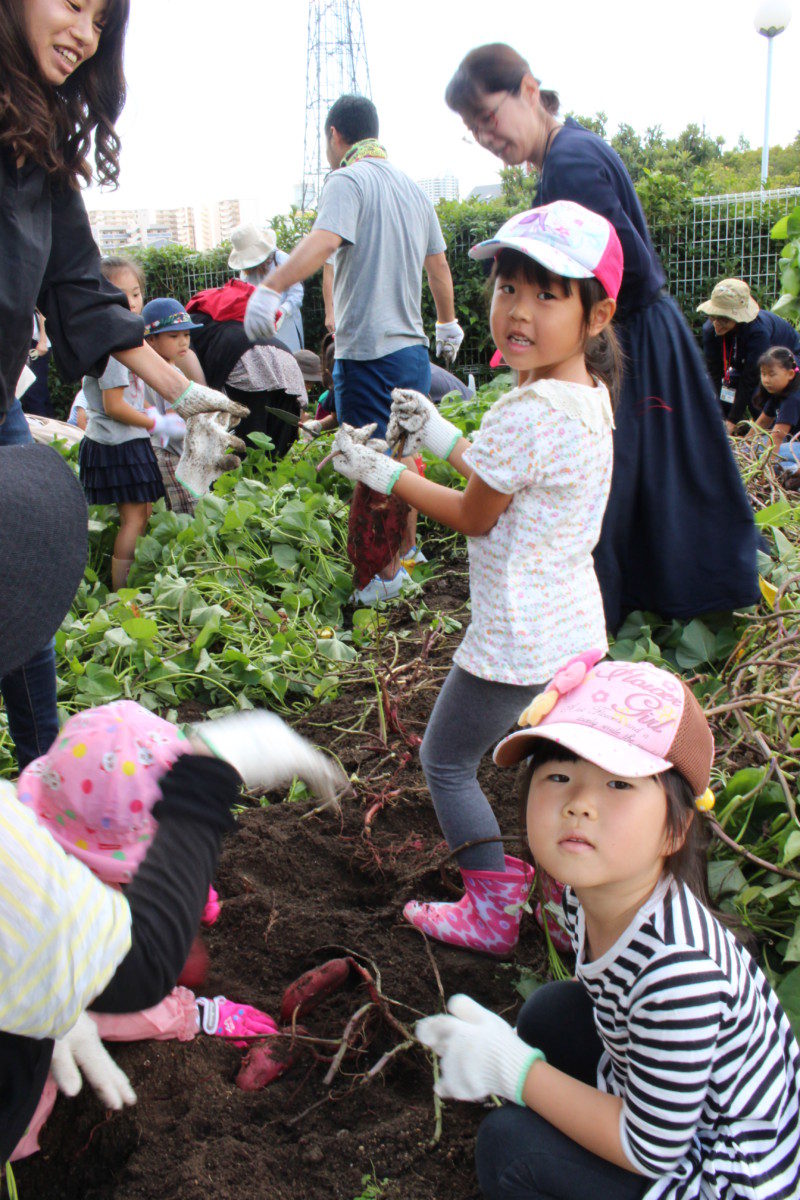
column 486, row 122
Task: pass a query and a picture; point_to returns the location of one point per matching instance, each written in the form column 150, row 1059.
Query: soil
column 299, row 888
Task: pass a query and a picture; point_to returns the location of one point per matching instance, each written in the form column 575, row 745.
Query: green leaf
column 696, row 645
column 788, row 993
column 792, row 952
column 336, row 650
column 792, row 847
column 775, row 515
column 780, row 230
column 142, row 629
column 790, row 281
column 724, row 879
column 284, row 555
column 786, row 306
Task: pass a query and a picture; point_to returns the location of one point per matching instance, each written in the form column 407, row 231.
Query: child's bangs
column 511, row 265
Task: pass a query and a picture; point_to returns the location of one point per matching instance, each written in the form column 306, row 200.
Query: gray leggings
column 470, row 715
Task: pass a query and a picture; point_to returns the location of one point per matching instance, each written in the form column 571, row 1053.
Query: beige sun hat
column 731, row 299
column 251, row 246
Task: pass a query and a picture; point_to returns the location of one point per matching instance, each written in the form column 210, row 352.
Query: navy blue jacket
column 743, row 347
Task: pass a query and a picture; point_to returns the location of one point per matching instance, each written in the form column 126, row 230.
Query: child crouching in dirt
column 538, row 476
column 94, row 792
column 667, row 1069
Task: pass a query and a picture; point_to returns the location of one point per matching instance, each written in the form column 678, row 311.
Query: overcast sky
column 216, row 88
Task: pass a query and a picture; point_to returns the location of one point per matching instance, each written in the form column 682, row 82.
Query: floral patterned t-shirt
column 535, row 597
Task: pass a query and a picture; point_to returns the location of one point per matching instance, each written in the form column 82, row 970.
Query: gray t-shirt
column 99, row 426
column 388, row 228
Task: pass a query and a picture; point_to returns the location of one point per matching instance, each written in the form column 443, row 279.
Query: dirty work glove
column 261, row 316
column 359, row 456
column 81, row 1050
column 268, row 754
column 166, row 425
column 418, row 419
column 310, row 430
column 197, row 398
column 225, row 1018
column 449, row 337
column 205, row 446
column 480, row 1053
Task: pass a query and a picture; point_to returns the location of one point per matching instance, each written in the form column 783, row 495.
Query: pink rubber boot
column 479, row 920
column 552, row 891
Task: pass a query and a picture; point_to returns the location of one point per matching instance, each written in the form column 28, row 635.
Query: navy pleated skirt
column 126, row 473
column 678, row 536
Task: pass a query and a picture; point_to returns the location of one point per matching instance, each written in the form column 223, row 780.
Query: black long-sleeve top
column 48, row 260
column 166, row 898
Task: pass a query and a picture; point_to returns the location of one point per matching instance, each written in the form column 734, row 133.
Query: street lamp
column 771, row 18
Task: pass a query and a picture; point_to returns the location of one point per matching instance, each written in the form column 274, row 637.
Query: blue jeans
column 363, row 390
column 789, row 453
column 29, row 692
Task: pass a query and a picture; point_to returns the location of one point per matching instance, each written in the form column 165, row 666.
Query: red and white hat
column 564, row 237
column 630, row 719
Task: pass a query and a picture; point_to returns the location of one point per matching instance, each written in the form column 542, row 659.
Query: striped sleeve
column 62, row 932
column 676, row 1016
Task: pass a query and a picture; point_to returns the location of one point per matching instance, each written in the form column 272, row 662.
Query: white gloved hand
column 201, row 399
column 260, row 318
column 359, row 456
column 417, row 419
column 310, row 430
column 81, row 1050
column 166, row 425
column 449, row 336
column 268, row 754
column 480, row 1053
column 205, row 451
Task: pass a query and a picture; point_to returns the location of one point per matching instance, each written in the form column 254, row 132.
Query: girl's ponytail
column 605, row 360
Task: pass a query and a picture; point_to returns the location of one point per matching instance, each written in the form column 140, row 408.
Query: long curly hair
column 53, row 126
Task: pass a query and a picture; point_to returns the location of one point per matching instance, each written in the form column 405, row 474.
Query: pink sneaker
column 479, row 921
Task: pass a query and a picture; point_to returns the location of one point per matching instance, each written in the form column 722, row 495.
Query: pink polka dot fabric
column 95, row 788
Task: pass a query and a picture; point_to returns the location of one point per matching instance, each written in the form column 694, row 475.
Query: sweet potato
column 303, row 996
column 266, row 1062
column 195, row 969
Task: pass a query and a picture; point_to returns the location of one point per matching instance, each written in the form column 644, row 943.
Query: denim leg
column 29, row 693
column 14, row 428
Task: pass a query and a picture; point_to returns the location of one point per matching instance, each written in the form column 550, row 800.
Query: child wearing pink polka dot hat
column 95, row 789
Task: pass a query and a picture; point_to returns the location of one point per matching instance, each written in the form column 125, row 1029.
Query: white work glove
column 310, row 430
column 417, row 419
column 166, row 425
column 268, row 754
column 449, row 337
column 81, row 1050
column 201, row 399
column 359, row 456
column 205, row 452
column 480, row 1053
column 261, row 316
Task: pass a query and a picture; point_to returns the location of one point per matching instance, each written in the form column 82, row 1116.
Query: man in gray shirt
column 382, row 231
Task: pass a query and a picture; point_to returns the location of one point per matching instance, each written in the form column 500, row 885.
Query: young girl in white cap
column 666, row 1069
column 538, row 476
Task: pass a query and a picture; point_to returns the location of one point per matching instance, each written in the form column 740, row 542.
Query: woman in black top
column 678, row 536
column 61, row 83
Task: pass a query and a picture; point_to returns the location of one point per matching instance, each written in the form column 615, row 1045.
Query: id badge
column 727, row 395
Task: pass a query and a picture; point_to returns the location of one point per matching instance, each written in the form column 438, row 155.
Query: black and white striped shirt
column 700, row 1051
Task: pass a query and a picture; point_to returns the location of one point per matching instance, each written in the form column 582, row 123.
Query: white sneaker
column 379, row 589
column 413, row 558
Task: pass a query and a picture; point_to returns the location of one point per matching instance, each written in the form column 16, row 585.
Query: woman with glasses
column 678, row 536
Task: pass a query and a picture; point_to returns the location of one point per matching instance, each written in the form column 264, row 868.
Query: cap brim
column 609, row 753
column 549, row 256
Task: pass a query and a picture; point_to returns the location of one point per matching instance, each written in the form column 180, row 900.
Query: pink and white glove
column 213, row 908
column 166, row 425
column 225, row 1018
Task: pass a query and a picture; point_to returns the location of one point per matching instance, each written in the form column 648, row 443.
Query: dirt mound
column 297, row 890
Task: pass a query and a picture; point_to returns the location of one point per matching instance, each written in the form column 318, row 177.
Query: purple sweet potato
column 266, row 1062
column 303, row 996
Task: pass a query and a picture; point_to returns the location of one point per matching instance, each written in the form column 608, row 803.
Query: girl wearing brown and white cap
column 735, row 336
